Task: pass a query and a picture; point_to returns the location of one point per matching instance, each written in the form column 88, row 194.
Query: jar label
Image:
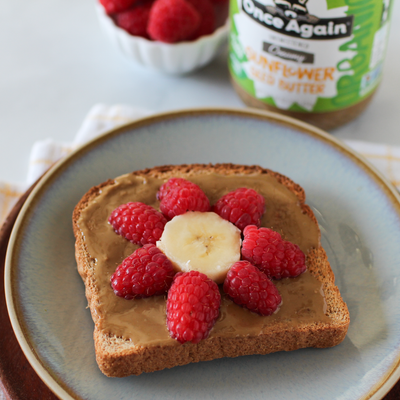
column 308, row 55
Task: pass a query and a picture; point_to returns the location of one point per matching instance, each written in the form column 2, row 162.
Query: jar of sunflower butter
column 316, row 60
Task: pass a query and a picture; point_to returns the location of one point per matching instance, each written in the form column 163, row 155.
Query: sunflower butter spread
column 143, row 321
column 316, row 60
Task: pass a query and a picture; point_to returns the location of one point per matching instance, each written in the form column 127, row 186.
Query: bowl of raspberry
column 170, row 36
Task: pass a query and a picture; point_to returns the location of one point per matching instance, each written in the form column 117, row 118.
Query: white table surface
column 55, row 64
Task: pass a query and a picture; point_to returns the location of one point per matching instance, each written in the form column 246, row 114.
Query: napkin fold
column 102, row 118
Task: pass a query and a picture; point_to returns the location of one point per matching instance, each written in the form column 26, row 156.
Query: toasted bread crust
column 117, row 357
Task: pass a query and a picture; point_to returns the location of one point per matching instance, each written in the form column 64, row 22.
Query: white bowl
column 178, row 58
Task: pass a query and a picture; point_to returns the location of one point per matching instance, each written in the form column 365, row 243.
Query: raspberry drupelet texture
column 172, row 21
column 276, row 257
column 138, row 222
column 146, row 272
column 135, row 20
column 242, row 207
column 181, row 196
column 248, row 287
column 192, row 306
column 115, row 6
column 171, row 184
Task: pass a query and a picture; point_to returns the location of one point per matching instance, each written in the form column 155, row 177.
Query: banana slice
column 201, row 241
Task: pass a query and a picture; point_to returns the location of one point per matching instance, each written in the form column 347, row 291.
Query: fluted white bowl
column 179, row 58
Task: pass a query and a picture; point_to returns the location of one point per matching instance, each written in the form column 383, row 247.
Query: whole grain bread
column 119, row 357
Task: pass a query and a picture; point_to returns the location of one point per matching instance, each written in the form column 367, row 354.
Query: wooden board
column 18, row 380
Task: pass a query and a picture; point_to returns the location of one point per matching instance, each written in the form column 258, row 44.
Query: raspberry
column 181, row 196
column 146, row 272
column 207, row 14
column 138, row 222
column 115, row 6
column 276, row 257
column 172, row 21
column 192, row 306
column 134, row 21
column 249, row 287
column 242, row 207
column 172, row 183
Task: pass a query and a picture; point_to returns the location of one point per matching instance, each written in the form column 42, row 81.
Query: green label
column 308, row 55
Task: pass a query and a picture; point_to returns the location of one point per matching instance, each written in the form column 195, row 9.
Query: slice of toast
column 131, row 335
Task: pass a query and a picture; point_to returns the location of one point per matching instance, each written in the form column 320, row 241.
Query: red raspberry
column 134, row 21
column 171, row 184
column 146, row 272
column 180, row 197
column 207, row 14
column 172, row 21
column 221, row 11
column 138, row 222
column 249, row 287
column 192, row 306
column 276, row 257
column 242, row 207
column 115, row 6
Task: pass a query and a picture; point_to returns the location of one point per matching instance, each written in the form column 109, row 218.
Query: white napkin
column 102, row 118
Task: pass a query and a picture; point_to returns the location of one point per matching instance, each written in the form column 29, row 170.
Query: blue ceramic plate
column 359, row 215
